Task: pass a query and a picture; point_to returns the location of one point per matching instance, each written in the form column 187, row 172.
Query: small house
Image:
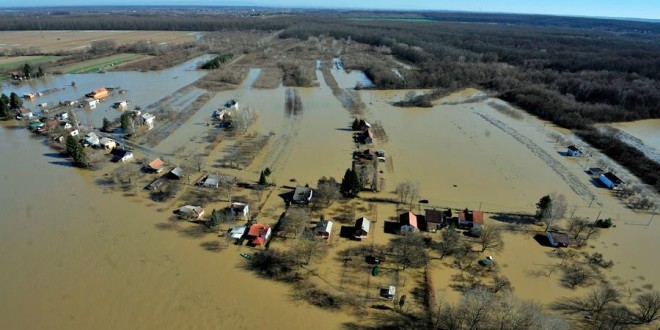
column 231, row 104
column 362, row 226
column 29, row 96
column 472, row 219
column 238, row 232
column 120, row 105
column 240, row 209
column 211, row 181
column 98, row 93
column 259, row 234
column 220, row 114
column 148, row 119
column 121, row 155
column 91, row 140
column 436, row 219
column 74, row 132
column 557, row 239
column 91, row 103
column 611, row 181
column 176, row 173
column 155, row 166
column 63, row 116
column 107, row 143
column 595, row 171
column 302, row 195
column 323, row 229
column 191, row 212
column 363, row 125
column 574, row 151
column 408, row 222
column 388, row 292
column 67, row 126
column 368, row 136
column 24, row 113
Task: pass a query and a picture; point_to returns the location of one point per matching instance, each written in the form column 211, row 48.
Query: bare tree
column 409, row 249
column 227, row 188
column 512, row 313
column 501, row 283
column 490, row 238
column 476, row 306
column 449, row 242
column 576, row 275
column 408, row 192
column 647, row 307
column 327, row 193
column 555, row 211
column 308, row 248
column 294, row 222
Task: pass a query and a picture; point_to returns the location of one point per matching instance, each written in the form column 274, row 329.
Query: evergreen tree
column 71, row 146
column 215, row 219
column 356, row 124
column 76, row 152
column 262, row 179
column 15, row 101
column 40, row 72
column 27, row 71
column 4, row 106
column 107, row 125
column 126, row 120
column 267, row 172
column 350, row 184
column 542, row 205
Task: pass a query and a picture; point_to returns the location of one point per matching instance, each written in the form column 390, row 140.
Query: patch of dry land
column 105, row 253
column 55, row 41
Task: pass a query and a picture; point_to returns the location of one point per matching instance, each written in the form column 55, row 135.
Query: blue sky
column 604, row 8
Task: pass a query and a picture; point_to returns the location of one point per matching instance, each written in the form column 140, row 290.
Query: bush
column 604, row 223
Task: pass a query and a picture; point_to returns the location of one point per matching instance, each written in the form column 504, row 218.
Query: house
column 24, row 113
column 157, row 184
column 611, row 181
column 191, row 212
column 231, row 104
column 436, row 219
column 15, row 75
column 98, row 93
column 148, row 119
column 176, row 173
column 259, row 234
column 368, row 136
column 238, row 232
column 120, row 105
column 36, row 126
column 302, row 195
column 121, row 155
column 63, row 116
column 108, row 143
column 74, row 132
column 91, row 140
column 380, row 155
column 574, row 151
column 211, row 181
column 29, row 96
column 363, row 125
column 240, row 209
column 91, row 103
column 155, row 166
column 220, row 114
column 362, row 228
column 408, row 222
column 388, row 293
column 473, row 219
column 557, row 239
column 323, row 229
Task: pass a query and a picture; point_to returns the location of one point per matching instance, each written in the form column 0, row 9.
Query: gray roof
column 178, row 171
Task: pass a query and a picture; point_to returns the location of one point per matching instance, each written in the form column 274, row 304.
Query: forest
column 574, row 72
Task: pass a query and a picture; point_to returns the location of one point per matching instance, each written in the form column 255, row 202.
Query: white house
column 148, row 119
column 240, row 209
column 91, row 103
column 107, row 143
column 323, row 229
column 191, row 212
column 211, row 181
column 91, row 139
column 74, row 132
column 611, row 181
column 238, row 232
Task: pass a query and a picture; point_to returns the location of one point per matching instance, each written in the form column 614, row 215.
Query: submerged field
column 101, row 255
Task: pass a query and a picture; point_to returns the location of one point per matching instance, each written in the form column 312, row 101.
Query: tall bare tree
column 449, row 242
column 294, row 222
column 410, row 250
column 554, row 211
column 407, row 192
column 490, row 238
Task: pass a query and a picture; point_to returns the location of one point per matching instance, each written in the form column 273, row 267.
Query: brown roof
column 156, row 163
column 408, row 219
column 433, row 216
column 474, row 217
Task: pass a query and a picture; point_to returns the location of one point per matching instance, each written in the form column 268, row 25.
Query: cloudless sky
column 603, row 8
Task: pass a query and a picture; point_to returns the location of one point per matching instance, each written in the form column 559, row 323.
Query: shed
column 91, row 140
column 176, row 173
column 362, row 226
column 191, row 212
column 323, row 229
column 108, row 143
column 238, row 232
column 574, row 151
column 474, row 219
column 595, row 171
column 302, row 195
column 240, row 209
column 557, row 239
column 611, row 181
column 211, row 181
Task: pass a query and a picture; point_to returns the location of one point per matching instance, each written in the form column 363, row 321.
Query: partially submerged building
column 191, row 212
column 471, row 219
column 155, row 166
column 302, row 195
column 557, row 239
column 259, row 234
column 611, row 181
column 240, row 209
column 408, row 222
column 323, row 229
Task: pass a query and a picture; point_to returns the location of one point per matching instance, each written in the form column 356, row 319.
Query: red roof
column 258, row 229
column 474, row 217
column 258, row 241
column 408, row 219
column 156, row 164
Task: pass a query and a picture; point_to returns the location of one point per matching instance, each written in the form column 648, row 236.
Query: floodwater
column 142, row 89
column 643, row 135
column 75, row 257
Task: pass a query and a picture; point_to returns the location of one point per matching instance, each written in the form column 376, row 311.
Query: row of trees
column 217, row 61
column 8, row 103
column 77, row 152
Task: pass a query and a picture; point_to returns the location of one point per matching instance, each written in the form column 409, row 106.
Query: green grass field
column 390, row 19
column 34, row 61
column 95, row 66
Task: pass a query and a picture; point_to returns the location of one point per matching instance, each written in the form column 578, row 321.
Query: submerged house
column 557, row 239
column 155, row 166
column 362, row 226
column 107, row 143
column 91, row 140
column 259, row 234
column 238, row 232
column 436, row 219
column 121, row 155
column 574, row 151
column 98, row 93
column 302, row 195
column 176, row 173
column 323, row 229
column 408, row 222
column 611, row 181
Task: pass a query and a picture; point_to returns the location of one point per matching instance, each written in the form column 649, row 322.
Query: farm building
column 238, row 232
column 611, row 181
column 408, row 222
column 436, row 219
column 473, row 219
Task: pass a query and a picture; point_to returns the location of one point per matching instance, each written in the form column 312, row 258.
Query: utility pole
column 592, row 200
